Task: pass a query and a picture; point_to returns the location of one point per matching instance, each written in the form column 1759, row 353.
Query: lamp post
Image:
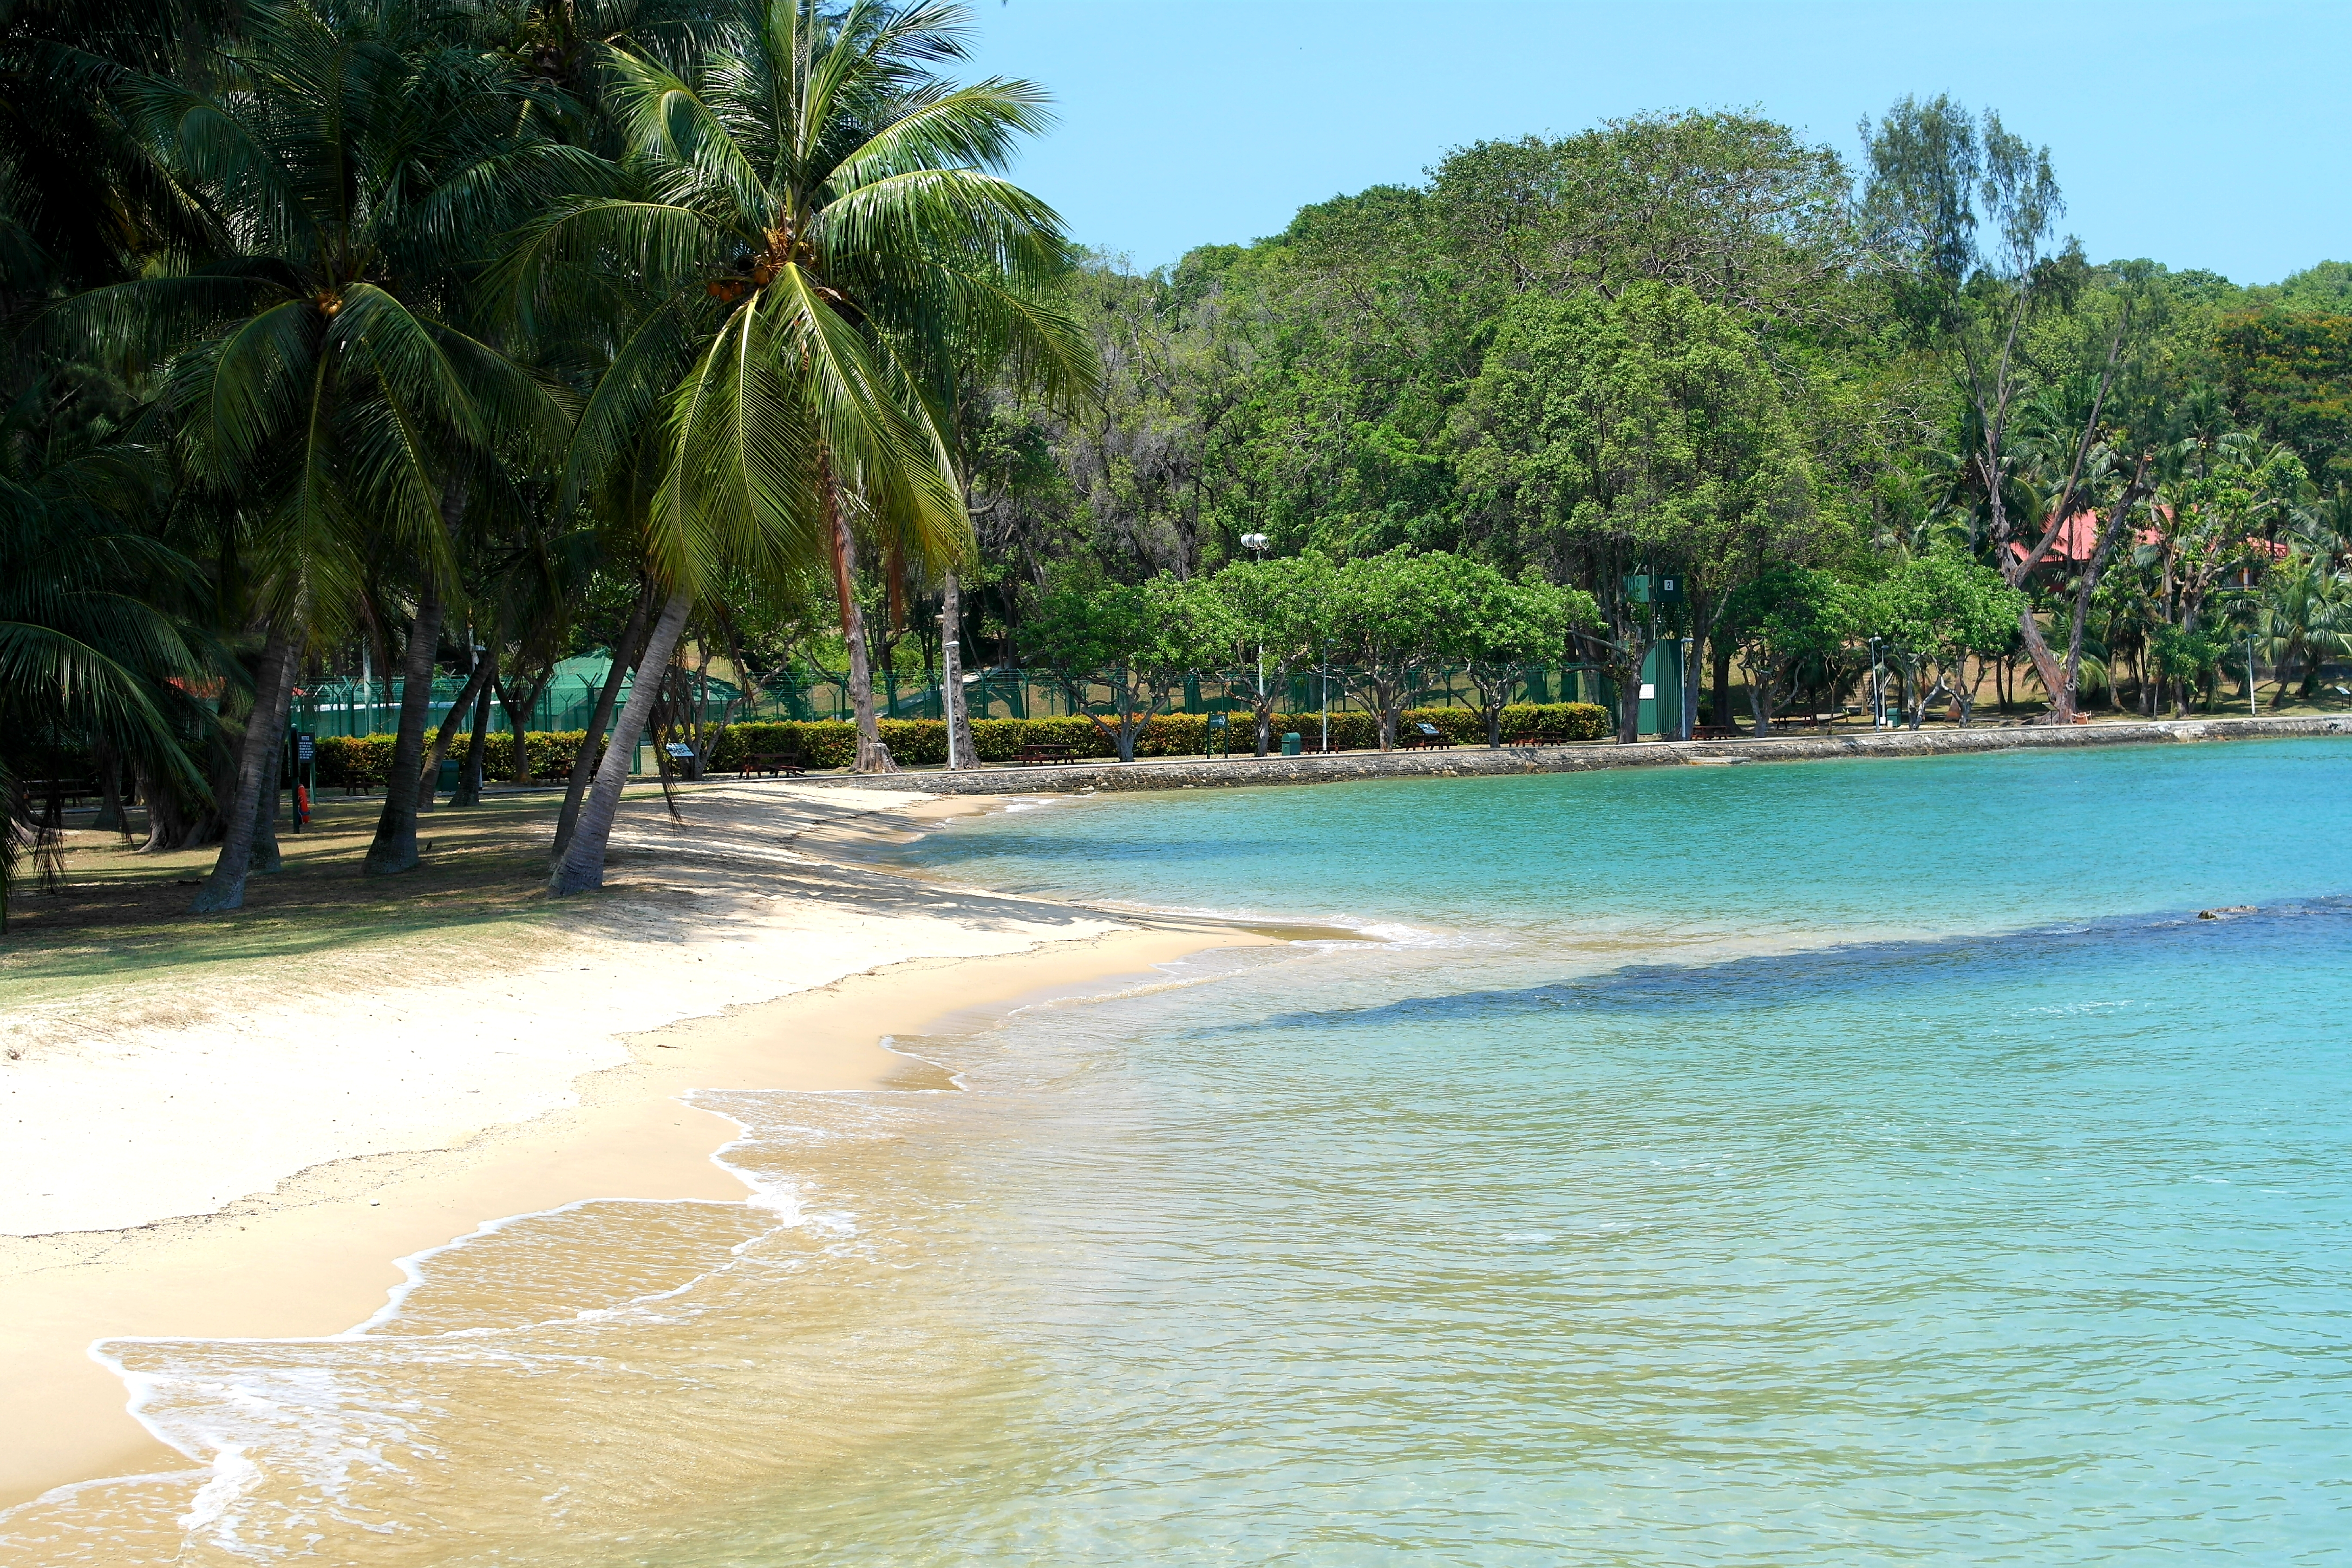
column 1877, row 690
column 2252, row 711
column 1256, row 544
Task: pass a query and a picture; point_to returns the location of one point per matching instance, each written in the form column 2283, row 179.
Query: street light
column 1256, row 544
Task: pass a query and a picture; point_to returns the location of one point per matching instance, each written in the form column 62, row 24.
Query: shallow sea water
column 1834, row 1164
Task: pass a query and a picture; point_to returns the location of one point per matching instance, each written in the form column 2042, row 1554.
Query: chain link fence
column 812, row 692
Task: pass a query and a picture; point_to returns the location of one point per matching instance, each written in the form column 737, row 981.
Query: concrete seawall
column 1478, row 761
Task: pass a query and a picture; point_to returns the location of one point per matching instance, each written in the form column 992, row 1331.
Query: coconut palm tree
column 2304, row 617
column 95, row 613
column 814, row 236
column 317, row 364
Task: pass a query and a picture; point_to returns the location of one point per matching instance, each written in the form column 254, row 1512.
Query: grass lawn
column 123, row 916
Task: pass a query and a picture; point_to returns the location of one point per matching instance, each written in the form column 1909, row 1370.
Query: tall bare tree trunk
column 469, row 777
column 965, row 753
column 581, row 865
column 394, row 849
column 518, row 704
column 626, row 653
column 263, row 856
column 257, row 763
column 428, row 773
column 108, row 764
column 873, row 756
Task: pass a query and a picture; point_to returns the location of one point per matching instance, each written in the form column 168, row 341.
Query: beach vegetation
column 417, row 353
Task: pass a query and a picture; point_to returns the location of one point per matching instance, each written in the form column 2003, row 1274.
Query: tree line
column 388, row 340
column 418, row 330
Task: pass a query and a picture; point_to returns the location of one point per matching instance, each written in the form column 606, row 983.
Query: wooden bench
column 1539, row 738
column 1047, row 756
column 1425, row 738
column 1714, row 732
column 774, row 764
column 38, row 791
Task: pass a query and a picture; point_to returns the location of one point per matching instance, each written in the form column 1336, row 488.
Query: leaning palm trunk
column 583, row 763
column 394, row 849
column 428, row 773
column 257, row 765
column 873, row 756
column 469, row 777
column 581, row 865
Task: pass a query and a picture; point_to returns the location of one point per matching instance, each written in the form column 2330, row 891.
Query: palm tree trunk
column 966, row 755
column 518, row 704
column 583, row 762
column 108, row 765
column 581, row 865
column 873, row 756
column 257, row 763
column 428, row 773
column 394, row 849
column 469, row 777
column 264, row 855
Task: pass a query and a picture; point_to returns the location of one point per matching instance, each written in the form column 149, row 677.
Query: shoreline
column 319, row 1252
column 1478, row 761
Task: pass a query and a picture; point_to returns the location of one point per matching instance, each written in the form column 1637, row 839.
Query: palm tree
column 95, row 613
column 2305, row 615
column 321, row 378
column 816, row 236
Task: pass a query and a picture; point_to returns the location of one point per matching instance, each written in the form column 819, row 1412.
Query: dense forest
column 371, row 339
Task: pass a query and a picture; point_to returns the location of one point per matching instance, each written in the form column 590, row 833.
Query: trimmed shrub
column 363, row 762
column 832, row 742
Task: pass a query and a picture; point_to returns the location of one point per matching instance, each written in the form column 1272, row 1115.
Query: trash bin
column 447, row 779
column 1290, row 742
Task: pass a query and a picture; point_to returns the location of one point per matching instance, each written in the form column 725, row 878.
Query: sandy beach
column 250, row 1156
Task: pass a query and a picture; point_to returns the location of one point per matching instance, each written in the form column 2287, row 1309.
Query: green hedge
column 362, row 762
column 832, row 742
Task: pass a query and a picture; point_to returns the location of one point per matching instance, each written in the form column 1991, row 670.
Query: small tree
column 1392, row 617
column 1504, row 626
column 1141, row 641
column 1933, row 616
column 1787, row 616
column 1278, row 613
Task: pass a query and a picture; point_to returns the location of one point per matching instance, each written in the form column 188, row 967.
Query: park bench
column 774, row 764
column 1046, row 754
column 1714, row 732
column 1541, row 738
column 38, row 791
column 1424, row 737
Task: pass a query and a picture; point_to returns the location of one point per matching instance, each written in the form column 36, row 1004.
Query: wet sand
column 316, row 1253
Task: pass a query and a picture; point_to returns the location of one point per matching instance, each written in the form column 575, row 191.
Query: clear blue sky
column 2204, row 135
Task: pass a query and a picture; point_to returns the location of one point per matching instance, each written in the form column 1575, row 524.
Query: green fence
column 807, row 692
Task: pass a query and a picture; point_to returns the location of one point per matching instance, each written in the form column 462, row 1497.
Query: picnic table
column 1714, row 732
column 1541, row 738
column 1034, row 754
column 774, row 764
column 1424, row 737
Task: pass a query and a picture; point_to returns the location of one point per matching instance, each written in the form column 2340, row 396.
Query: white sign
column 1648, row 691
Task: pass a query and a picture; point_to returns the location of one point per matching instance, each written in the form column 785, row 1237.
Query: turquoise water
column 1801, row 1164
column 1906, row 1173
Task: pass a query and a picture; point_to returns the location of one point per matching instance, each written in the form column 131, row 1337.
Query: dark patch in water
column 1776, row 980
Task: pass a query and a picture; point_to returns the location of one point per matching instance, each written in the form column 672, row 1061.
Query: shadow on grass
column 120, row 915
